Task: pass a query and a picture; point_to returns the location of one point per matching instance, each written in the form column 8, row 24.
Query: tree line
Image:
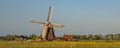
column 76, row 37
column 20, row 37
column 97, row 37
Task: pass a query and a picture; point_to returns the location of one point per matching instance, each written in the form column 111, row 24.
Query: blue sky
column 78, row 16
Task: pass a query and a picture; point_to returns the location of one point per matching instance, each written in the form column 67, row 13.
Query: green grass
column 60, row 44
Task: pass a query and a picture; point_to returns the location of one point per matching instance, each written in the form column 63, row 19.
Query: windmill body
column 48, row 29
column 48, row 32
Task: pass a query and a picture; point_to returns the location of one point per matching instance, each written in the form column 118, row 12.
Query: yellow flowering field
column 60, row 44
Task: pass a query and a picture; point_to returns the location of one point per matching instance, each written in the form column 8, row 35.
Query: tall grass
column 60, row 44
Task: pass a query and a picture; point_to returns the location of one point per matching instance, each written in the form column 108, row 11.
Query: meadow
column 60, row 44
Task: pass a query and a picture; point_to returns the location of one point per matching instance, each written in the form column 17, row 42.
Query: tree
column 84, row 37
column 76, row 36
column 90, row 37
column 11, row 37
column 117, row 36
column 98, row 37
column 33, row 36
column 109, row 37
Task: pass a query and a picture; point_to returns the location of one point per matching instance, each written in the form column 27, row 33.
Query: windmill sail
column 49, row 14
column 57, row 25
column 37, row 21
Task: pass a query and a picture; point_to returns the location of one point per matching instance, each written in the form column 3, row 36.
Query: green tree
column 90, row 37
column 117, row 36
column 83, row 37
column 98, row 37
column 76, row 36
column 33, row 36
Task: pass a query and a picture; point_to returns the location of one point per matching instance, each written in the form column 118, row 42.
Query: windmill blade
column 37, row 21
column 49, row 14
column 57, row 25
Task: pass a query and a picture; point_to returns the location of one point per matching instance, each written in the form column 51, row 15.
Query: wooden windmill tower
column 48, row 29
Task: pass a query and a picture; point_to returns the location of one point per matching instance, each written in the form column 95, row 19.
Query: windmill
column 48, row 29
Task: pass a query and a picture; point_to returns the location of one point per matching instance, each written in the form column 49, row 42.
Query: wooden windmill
column 48, row 29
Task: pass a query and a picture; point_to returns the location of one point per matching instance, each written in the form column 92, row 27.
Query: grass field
column 60, row 44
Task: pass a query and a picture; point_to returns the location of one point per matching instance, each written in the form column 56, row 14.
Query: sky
column 78, row 16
